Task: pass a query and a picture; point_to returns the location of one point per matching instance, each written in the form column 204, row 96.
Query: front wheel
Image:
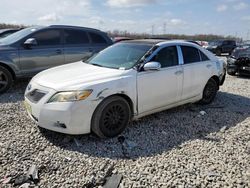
column 111, row 117
column 209, row 91
column 6, row 79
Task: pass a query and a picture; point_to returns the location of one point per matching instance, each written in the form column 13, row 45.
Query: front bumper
column 64, row 117
column 234, row 65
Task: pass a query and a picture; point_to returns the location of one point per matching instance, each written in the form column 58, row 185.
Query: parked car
column 125, row 81
column 204, row 44
column 6, row 32
column 239, row 61
column 222, row 46
column 31, row 50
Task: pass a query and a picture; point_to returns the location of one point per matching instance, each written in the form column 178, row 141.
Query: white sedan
column 125, row 81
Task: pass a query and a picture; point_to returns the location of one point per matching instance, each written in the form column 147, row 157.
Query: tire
column 111, row 117
column 218, row 52
column 209, row 92
column 232, row 73
column 6, row 79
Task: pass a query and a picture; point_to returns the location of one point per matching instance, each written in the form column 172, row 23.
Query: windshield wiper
column 96, row 64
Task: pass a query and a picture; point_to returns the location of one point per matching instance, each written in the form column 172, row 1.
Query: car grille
column 35, row 95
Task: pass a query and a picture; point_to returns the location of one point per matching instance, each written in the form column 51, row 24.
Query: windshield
column 215, row 43
column 120, row 56
column 17, row 35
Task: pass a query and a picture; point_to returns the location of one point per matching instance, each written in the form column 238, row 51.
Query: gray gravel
column 181, row 147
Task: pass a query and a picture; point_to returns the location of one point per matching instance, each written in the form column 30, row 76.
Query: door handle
column 178, row 72
column 208, row 66
column 58, row 51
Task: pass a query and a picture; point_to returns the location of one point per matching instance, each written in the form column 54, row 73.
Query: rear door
column 197, row 70
column 47, row 53
column 77, row 45
column 160, row 88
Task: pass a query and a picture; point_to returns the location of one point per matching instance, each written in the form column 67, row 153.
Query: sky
column 222, row 17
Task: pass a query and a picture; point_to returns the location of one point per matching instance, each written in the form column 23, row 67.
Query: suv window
column 96, row 38
column 203, row 56
column 167, row 57
column 48, row 37
column 75, row 36
column 190, row 54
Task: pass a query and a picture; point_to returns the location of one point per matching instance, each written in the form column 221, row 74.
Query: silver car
column 31, row 50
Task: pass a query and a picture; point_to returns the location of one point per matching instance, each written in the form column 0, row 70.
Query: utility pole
column 153, row 28
column 164, row 28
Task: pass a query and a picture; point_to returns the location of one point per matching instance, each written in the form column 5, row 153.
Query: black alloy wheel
column 111, row 117
column 209, row 91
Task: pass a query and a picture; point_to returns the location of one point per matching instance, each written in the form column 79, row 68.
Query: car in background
column 204, row 44
column 31, row 50
column 6, row 32
column 239, row 61
column 125, row 81
column 221, row 46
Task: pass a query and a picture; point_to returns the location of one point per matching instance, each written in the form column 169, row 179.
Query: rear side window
column 167, row 57
column 48, row 37
column 190, row 54
column 203, row 56
column 96, row 38
column 75, row 36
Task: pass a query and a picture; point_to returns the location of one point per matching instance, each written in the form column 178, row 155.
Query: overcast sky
column 226, row 17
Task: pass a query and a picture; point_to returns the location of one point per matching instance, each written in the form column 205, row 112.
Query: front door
column 160, row 88
column 47, row 53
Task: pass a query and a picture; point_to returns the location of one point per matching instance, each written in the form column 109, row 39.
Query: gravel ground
column 181, row 147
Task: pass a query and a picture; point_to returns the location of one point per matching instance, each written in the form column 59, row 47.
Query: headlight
column 69, row 96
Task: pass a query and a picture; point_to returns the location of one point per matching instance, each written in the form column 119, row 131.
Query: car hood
column 75, row 76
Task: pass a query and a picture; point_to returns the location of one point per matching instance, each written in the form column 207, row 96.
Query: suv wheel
column 111, row 117
column 6, row 79
column 209, row 92
column 232, row 73
column 218, row 52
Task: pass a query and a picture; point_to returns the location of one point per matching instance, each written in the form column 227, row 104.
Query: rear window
column 190, row 54
column 75, row 36
column 203, row 56
column 96, row 38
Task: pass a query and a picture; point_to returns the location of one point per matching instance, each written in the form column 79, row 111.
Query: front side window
column 167, row 57
column 190, row 54
column 75, row 36
column 48, row 37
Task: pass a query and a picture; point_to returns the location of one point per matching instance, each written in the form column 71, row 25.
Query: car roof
column 159, row 42
column 74, row 27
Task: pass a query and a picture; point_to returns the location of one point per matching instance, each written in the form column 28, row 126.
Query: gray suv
column 31, row 50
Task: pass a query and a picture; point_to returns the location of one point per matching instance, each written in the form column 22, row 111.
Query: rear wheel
column 6, row 79
column 218, row 52
column 111, row 117
column 209, row 91
column 232, row 73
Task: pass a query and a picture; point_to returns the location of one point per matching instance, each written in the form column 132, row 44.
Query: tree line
column 116, row 33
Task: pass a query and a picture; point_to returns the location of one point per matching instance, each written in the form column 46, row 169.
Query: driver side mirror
column 152, row 66
column 30, row 42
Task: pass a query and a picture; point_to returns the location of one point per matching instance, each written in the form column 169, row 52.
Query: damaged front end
column 240, row 66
